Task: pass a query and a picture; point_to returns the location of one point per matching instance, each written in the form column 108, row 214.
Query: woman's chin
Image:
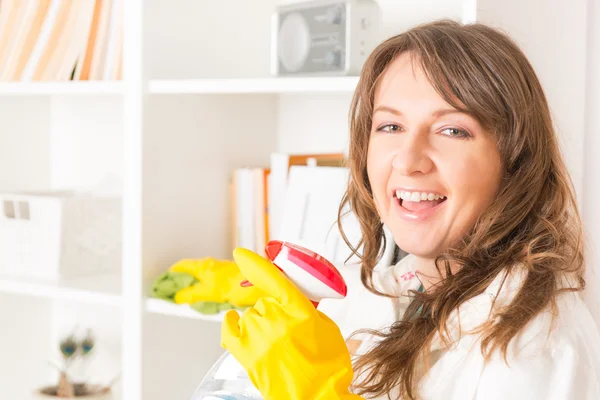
column 424, row 248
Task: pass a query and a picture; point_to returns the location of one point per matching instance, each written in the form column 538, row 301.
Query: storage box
column 57, row 235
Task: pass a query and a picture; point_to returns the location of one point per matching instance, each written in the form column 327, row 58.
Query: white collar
column 472, row 313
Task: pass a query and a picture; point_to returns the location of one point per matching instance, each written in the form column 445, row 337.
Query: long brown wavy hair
column 533, row 221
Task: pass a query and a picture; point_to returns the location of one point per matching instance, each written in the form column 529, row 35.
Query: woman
column 452, row 149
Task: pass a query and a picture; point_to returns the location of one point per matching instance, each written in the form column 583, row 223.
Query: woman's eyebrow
column 388, row 109
column 437, row 113
column 446, row 111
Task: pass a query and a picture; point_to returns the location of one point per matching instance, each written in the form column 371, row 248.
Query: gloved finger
column 192, row 294
column 230, row 329
column 267, row 307
column 267, row 277
column 193, row 266
column 186, row 295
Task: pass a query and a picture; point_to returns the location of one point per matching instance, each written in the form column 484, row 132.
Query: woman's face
column 433, row 170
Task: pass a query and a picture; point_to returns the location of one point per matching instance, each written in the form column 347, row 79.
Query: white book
column 259, row 210
column 114, row 37
column 244, row 194
column 42, row 40
column 25, row 21
column 277, row 188
column 280, row 165
column 311, row 208
column 78, row 40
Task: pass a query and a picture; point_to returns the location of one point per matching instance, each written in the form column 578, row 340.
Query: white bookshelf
column 197, row 101
column 100, row 289
column 61, row 88
column 257, row 85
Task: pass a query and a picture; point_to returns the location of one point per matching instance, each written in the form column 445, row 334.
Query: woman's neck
column 427, row 272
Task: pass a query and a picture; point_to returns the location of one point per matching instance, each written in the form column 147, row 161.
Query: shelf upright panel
column 134, row 85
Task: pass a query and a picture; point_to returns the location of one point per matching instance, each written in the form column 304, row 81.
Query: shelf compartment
column 102, row 289
column 61, row 88
column 343, row 84
column 158, row 306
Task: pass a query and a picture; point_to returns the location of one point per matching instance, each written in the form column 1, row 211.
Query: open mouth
column 419, row 201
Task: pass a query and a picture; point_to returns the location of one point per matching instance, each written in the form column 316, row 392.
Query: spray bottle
column 316, row 278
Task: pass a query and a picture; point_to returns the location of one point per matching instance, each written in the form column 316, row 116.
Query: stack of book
column 61, row 40
column 258, row 196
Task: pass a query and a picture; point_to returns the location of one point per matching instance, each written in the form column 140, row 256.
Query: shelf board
column 342, row 84
column 158, row 306
column 61, row 88
column 102, row 289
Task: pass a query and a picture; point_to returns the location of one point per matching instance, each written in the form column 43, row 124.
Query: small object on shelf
column 206, row 285
column 217, row 281
column 72, row 350
column 169, row 283
column 54, row 235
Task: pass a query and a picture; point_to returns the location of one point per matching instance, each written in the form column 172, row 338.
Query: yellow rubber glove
column 219, row 282
column 289, row 349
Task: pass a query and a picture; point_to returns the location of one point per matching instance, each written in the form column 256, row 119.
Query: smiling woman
column 453, row 150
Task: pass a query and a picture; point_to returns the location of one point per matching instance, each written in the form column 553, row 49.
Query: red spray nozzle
column 314, row 275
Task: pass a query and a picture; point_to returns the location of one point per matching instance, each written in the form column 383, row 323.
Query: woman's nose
column 412, row 155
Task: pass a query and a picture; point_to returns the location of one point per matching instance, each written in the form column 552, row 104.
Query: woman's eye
column 390, row 128
column 455, row 132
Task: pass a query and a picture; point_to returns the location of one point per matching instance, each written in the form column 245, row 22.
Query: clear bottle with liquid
column 226, row 380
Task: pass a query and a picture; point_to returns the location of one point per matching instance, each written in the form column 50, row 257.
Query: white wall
column 24, row 345
column 24, row 143
column 591, row 176
column 86, row 141
column 553, row 35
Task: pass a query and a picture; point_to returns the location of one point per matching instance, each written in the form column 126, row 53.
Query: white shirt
column 550, row 362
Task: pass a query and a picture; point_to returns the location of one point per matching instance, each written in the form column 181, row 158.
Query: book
column 42, row 40
column 76, row 42
column 82, row 72
column 280, row 167
column 12, row 14
column 29, row 41
column 101, row 41
column 109, row 70
column 71, row 42
column 60, row 40
column 249, row 208
column 244, row 211
column 22, row 26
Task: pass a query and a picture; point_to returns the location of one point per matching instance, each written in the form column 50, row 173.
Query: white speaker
column 323, row 37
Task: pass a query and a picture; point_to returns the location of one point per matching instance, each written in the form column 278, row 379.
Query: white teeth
column 417, row 196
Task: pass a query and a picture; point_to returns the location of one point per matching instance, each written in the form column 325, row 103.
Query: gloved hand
column 219, row 282
column 289, row 349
